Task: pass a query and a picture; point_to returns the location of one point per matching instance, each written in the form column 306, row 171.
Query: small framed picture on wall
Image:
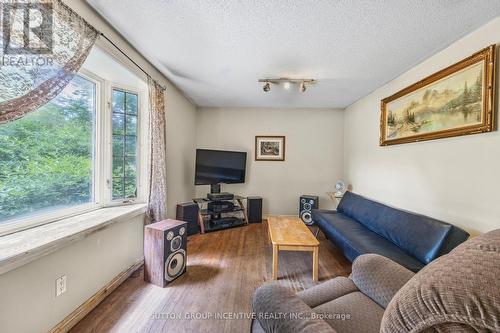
column 270, row 148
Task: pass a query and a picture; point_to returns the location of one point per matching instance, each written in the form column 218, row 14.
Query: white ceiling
column 215, row 50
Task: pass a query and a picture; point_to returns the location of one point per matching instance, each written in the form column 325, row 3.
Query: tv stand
column 213, row 221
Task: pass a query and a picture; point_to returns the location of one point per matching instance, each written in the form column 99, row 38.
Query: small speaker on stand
column 188, row 212
column 254, row 209
column 165, row 256
column 306, row 204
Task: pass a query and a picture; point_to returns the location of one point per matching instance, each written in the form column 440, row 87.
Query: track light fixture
column 302, row 86
column 287, row 83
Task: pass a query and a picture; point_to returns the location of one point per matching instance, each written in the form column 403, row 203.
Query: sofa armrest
column 379, row 277
column 327, row 291
column 278, row 309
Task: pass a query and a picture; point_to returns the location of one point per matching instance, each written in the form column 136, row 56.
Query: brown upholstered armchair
column 458, row 292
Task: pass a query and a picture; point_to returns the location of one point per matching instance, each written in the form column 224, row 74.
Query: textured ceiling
column 215, row 50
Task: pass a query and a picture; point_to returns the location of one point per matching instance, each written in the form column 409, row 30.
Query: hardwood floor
column 224, row 269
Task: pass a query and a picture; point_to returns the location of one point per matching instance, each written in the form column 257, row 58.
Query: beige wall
column 314, row 141
column 455, row 179
column 181, row 144
column 28, row 302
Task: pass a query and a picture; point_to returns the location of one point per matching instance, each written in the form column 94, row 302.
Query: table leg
column 275, row 262
column 315, row 263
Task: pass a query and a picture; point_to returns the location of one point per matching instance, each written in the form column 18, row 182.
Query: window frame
column 140, row 162
column 102, row 159
column 44, row 217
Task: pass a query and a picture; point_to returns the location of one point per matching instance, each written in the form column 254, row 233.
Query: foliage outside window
column 47, row 157
column 125, row 110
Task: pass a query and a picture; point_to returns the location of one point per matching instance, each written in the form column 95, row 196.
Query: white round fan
column 340, row 188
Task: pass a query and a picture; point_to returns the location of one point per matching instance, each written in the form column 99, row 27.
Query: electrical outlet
column 61, row 285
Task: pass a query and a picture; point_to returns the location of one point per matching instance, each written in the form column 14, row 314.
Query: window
column 125, row 110
column 47, row 157
column 79, row 152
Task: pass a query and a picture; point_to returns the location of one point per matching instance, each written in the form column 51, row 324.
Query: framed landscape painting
column 457, row 100
column 270, row 148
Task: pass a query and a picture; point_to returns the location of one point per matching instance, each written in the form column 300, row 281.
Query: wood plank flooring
column 224, row 269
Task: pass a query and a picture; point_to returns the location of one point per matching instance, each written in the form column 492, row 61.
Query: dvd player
column 221, row 206
column 220, row 196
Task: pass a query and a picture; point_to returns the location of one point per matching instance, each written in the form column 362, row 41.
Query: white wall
column 28, row 302
column 456, row 179
column 314, row 152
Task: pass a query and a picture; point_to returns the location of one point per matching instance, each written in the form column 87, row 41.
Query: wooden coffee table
column 291, row 234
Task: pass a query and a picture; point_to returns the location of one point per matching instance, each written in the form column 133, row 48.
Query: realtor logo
column 27, row 27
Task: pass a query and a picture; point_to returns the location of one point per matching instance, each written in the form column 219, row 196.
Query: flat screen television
column 220, row 167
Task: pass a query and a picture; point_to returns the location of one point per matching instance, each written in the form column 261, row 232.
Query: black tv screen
column 220, row 166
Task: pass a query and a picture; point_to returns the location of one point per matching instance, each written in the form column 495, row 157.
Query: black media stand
column 216, row 215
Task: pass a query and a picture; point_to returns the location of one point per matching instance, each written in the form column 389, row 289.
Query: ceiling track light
column 302, row 87
column 287, row 83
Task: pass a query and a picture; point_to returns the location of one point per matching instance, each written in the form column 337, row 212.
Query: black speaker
column 306, row 204
column 165, row 245
column 254, row 209
column 188, row 212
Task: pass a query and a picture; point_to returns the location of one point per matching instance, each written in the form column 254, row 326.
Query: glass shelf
column 209, row 212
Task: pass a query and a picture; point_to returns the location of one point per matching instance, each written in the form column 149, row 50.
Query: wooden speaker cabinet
column 165, row 255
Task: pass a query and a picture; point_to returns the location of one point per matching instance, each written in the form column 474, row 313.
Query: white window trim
column 102, row 171
column 141, row 143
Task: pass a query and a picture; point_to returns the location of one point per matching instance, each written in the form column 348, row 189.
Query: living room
column 250, row 166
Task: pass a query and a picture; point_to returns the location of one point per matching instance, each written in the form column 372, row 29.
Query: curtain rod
column 130, row 59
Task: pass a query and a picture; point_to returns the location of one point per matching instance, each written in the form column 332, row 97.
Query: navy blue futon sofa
column 360, row 225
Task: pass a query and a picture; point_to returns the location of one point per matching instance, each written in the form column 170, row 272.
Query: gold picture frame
column 458, row 100
column 270, row 147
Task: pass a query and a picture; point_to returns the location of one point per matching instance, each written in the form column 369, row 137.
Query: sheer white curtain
column 157, row 203
column 38, row 63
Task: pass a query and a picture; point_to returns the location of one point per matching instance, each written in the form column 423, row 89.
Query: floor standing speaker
column 164, row 251
column 306, row 204
column 188, row 212
column 254, row 209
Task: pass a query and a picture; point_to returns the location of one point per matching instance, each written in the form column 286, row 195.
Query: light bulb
column 303, row 86
column 267, row 87
column 286, row 85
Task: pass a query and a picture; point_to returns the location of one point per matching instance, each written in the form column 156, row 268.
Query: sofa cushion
column 456, row 237
column 255, row 327
column 352, row 313
column 379, row 277
column 327, row 291
column 419, row 235
column 355, row 239
column 459, row 290
column 276, row 309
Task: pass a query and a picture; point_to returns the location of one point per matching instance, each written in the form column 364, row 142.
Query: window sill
column 22, row 247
